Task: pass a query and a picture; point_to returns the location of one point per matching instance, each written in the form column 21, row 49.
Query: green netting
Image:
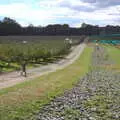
column 108, row 41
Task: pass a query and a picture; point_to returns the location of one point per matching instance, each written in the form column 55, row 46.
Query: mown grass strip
column 23, row 100
column 114, row 54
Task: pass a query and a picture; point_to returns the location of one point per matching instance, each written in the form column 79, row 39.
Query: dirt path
column 13, row 78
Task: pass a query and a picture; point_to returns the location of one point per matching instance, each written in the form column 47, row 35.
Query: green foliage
column 16, row 50
column 31, row 52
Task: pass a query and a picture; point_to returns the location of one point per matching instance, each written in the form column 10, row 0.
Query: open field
column 89, row 97
column 112, row 45
column 23, row 100
column 112, row 49
column 42, row 39
column 114, row 54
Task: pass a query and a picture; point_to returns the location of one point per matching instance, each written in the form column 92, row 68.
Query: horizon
column 1, row 20
column 72, row 12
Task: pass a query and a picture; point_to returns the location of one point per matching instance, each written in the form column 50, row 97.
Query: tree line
column 9, row 26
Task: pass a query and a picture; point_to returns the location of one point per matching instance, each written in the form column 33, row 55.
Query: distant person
column 97, row 46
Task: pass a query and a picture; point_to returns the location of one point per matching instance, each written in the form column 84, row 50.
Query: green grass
column 23, row 100
column 101, row 104
column 114, row 54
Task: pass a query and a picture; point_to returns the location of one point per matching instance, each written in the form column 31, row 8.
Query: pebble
column 78, row 103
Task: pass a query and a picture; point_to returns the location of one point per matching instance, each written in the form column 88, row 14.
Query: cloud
column 26, row 13
column 70, row 4
column 73, row 12
column 87, row 5
column 77, row 5
column 103, row 3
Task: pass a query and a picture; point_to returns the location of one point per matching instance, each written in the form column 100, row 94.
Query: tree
column 29, row 53
column 9, row 26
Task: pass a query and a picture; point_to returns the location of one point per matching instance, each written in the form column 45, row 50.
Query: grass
column 101, row 104
column 114, row 54
column 23, row 100
column 44, row 40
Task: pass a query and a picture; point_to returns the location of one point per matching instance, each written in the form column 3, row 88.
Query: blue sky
column 72, row 12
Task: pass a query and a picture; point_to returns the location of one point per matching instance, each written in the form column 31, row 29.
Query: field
column 85, row 89
column 112, row 44
column 46, row 49
column 114, row 54
column 94, row 97
column 42, row 39
column 25, row 99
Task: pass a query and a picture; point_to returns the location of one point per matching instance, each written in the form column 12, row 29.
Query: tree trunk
column 0, row 70
column 23, row 71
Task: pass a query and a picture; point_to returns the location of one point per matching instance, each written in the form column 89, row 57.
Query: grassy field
column 114, row 54
column 23, row 100
column 113, row 51
column 42, row 39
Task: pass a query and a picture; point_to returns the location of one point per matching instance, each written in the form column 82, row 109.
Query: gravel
column 95, row 97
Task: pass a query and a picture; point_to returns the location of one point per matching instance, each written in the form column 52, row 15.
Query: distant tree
column 9, row 26
column 84, row 25
column 66, row 26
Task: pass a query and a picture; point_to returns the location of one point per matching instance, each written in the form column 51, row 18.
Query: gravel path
column 13, row 78
column 95, row 97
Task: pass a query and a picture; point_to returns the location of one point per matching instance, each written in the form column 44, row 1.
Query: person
column 97, row 46
column 23, row 72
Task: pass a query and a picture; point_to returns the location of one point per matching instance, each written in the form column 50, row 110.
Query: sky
column 72, row 12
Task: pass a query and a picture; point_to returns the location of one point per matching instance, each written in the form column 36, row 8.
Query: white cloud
column 26, row 13
column 57, row 11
